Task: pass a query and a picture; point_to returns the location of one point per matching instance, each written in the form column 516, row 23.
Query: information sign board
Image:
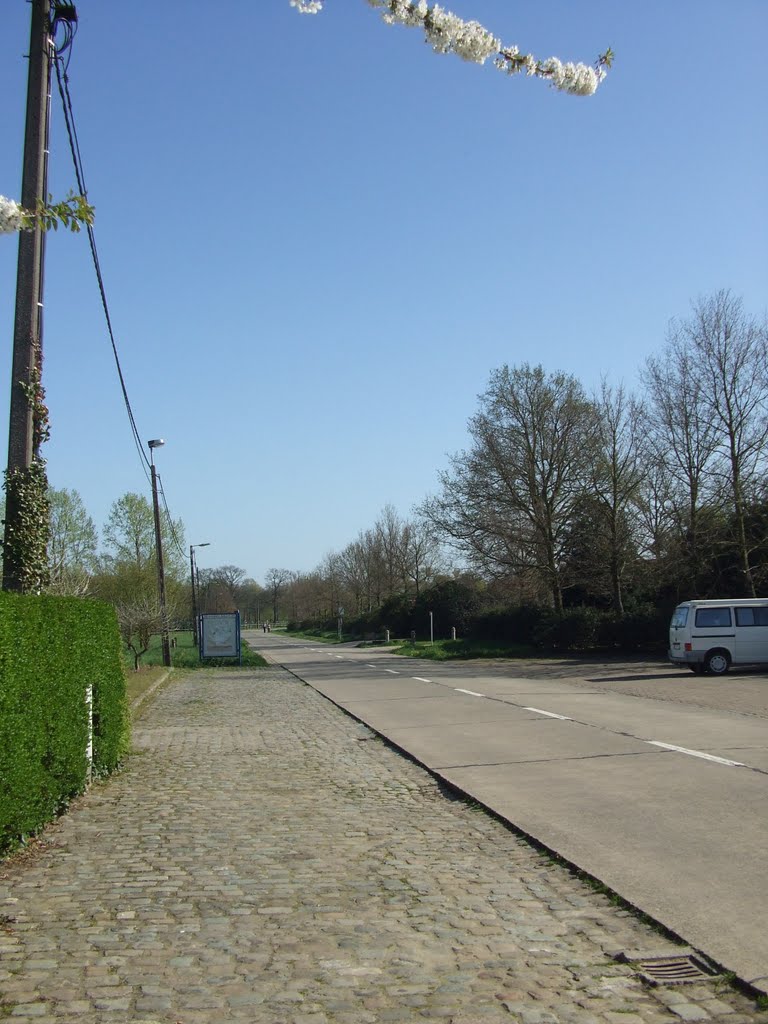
column 220, row 636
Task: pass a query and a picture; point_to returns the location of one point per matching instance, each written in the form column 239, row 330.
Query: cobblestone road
column 263, row 858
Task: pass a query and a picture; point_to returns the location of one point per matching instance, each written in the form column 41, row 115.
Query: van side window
column 752, row 616
column 713, row 616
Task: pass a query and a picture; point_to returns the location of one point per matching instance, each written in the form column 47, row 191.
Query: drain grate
column 674, row 970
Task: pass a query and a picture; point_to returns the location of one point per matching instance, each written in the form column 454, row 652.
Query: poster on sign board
column 220, row 636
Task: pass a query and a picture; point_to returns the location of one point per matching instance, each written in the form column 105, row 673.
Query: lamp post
column 194, row 586
column 158, row 443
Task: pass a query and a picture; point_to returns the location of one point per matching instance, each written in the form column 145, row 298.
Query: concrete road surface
column 663, row 798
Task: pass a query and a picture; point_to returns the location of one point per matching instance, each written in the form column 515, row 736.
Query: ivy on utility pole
column 25, row 541
column 27, row 510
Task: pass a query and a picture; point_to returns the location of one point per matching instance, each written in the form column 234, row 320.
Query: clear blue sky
column 318, row 239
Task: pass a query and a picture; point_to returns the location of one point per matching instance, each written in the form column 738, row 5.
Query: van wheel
column 697, row 668
column 717, row 663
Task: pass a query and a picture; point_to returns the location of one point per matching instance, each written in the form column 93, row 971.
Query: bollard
column 89, row 745
column 453, row 632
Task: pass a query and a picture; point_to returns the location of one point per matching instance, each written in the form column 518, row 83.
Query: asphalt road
column 649, row 778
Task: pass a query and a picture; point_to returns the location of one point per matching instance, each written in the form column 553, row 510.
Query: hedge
column 51, row 650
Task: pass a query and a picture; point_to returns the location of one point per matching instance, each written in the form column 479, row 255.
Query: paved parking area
column 263, row 858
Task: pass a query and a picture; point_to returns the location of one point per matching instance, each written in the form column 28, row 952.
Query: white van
column 710, row 636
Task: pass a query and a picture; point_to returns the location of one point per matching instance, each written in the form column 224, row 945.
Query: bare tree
column 138, row 620
column 508, row 501
column 682, row 439
column 732, row 355
column 388, row 531
column 618, row 474
column 222, row 587
column 422, row 555
column 708, row 398
column 276, row 581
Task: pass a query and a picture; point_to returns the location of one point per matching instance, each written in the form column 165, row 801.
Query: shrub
column 576, row 629
column 510, row 625
column 51, row 650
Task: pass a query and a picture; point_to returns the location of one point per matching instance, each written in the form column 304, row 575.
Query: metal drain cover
column 674, row 970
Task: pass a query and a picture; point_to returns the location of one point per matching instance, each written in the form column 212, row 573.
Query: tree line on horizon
column 561, row 499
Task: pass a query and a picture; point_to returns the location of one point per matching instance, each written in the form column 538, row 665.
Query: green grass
column 185, row 655
column 137, row 683
column 464, row 650
column 331, row 636
column 323, row 636
column 441, row 650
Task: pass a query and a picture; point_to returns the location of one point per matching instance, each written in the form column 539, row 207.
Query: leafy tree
column 72, row 543
column 129, row 535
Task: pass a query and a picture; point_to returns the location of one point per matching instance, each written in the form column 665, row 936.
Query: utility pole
column 158, row 443
column 195, row 587
column 28, row 325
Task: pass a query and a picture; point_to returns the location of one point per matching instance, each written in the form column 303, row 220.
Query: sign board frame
column 219, row 635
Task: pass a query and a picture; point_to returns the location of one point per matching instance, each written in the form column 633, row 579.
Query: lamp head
column 157, row 443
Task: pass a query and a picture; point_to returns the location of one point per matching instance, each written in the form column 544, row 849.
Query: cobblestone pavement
column 264, row 858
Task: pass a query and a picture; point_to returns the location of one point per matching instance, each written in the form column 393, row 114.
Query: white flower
column 307, row 6
column 11, row 217
column 404, row 12
column 577, row 79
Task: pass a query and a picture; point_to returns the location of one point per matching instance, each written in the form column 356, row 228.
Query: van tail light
column 689, row 647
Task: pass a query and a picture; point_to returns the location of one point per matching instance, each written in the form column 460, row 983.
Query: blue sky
column 318, row 238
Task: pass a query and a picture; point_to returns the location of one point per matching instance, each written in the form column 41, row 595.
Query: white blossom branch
column 448, row 33
column 72, row 212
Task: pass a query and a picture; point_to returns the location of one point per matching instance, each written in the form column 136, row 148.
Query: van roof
column 739, row 601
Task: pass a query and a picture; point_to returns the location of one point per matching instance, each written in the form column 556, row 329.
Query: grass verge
column 464, row 650
column 185, row 655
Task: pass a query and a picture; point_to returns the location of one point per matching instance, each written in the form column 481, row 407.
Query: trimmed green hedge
column 51, row 650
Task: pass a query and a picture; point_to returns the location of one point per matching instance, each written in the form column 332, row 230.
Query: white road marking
column 371, row 666
column 471, row 693
column 421, row 679
column 697, row 753
column 391, row 671
column 549, row 714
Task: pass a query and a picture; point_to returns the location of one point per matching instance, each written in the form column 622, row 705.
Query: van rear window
column 679, row 617
column 751, row 616
column 713, row 616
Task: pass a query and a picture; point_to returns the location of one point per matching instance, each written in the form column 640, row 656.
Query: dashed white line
column 471, row 693
column 421, row 679
column 697, row 753
column 391, row 671
column 549, row 714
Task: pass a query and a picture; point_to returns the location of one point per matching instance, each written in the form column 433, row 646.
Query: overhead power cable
column 171, row 524
column 70, row 28
column 74, row 145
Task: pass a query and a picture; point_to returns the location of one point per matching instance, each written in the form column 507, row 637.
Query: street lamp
column 192, row 547
column 158, row 443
